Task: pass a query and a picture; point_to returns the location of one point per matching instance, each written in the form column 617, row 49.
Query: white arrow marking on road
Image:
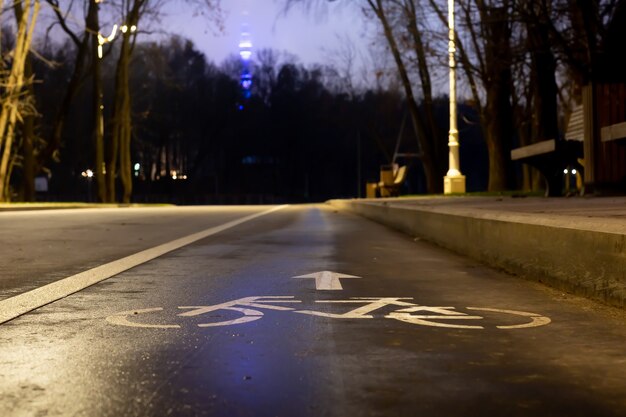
column 327, row 280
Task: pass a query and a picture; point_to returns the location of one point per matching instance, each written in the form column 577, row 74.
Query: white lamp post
column 454, row 181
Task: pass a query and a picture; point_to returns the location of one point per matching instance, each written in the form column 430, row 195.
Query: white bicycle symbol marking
column 249, row 308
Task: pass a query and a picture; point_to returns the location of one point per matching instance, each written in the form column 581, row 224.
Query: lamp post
column 454, row 181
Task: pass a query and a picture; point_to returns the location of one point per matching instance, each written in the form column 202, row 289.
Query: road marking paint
column 425, row 320
column 248, row 306
column 372, row 304
column 536, row 319
column 327, row 280
column 121, row 319
column 21, row 304
column 248, row 316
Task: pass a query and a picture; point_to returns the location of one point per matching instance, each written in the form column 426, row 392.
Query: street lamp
column 103, row 40
column 454, row 181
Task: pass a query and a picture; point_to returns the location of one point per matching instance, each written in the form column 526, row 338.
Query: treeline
column 301, row 136
column 524, row 65
column 196, row 139
column 151, row 120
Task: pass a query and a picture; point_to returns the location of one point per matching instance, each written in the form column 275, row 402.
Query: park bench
column 553, row 156
column 613, row 132
column 391, row 179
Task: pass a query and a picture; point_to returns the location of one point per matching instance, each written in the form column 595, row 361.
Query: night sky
column 310, row 37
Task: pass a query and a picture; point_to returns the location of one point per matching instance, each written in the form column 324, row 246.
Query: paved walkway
column 607, row 214
column 575, row 244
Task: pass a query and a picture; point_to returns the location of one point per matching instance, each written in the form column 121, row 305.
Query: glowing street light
column 104, row 40
column 454, row 181
column 125, row 28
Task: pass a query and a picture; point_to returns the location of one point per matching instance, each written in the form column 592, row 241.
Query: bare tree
column 13, row 83
column 118, row 153
column 119, row 145
column 404, row 36
column 536, row 91
column 28, row 124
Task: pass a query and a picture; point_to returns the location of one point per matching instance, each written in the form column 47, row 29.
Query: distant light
column 137, row 166
column 574, row 171
column 240, row 107
column 245, row 46
column 565, row 171
column 124, row 29
column 133, row 28
column 87, row 174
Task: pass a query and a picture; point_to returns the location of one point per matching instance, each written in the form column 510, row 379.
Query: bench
column 613, row 132
column 553, row 156
column 391, row 179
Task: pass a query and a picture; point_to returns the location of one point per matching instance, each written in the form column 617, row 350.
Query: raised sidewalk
column 574, row 244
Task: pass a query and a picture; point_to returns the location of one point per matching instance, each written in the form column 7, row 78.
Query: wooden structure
column 604, row 98
column 605, row 138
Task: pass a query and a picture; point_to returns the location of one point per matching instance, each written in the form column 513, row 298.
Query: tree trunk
column 111, row 168
column 28, row 128
column 498, row 109
column 122, row 131
column 439, row 143
column 98, row 106
column 544, row 89
column 54, row 141
column 14, row 83
column 434, row 183
column 28, row 159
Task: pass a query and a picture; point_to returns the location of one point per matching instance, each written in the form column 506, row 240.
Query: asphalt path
column 44, row 246
column 221, row 327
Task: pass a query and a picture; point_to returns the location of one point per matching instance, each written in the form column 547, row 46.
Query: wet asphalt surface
column 95, row 353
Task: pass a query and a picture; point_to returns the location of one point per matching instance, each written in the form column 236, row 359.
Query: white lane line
column 20, row 304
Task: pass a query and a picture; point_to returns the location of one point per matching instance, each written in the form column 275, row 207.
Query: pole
column 454, row 181
column 358, row 164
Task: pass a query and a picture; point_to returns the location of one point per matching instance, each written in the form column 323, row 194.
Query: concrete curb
column 578, row 260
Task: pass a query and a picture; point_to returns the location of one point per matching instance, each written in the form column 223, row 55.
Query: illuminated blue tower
column 245, row 52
